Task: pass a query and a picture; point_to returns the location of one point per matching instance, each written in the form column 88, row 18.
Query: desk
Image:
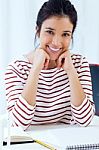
column 59, row 134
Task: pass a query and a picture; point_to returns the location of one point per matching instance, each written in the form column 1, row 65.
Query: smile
column 54, row 49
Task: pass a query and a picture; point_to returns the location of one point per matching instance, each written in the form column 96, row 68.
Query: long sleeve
column 21, row 112
column 84, row 113
column 53, row 98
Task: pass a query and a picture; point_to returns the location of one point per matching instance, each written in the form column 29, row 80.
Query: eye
column 50, row 32
column 66, row 34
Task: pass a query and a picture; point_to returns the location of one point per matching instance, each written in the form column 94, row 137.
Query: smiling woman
column 55, row 39
column 51, row 84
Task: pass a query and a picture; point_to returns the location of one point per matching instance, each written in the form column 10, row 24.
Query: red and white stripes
column 53, row 95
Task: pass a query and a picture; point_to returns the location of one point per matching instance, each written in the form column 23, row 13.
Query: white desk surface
column 51, row 134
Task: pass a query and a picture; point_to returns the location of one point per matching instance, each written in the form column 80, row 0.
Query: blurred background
column 17, row 30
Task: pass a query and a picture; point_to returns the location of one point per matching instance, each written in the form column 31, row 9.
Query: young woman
column 50, row 84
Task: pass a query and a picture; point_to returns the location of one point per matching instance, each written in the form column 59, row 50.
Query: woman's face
column 55, row 36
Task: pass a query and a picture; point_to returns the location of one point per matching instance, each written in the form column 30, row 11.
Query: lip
column 53, row 49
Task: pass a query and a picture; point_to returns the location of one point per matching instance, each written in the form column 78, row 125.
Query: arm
column 21, row 90
column 77, row 92
column 30, row 88
column 21, row 112
column 82, row 106
column 84, row 113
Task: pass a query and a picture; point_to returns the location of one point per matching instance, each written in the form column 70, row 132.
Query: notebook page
column 68, row 136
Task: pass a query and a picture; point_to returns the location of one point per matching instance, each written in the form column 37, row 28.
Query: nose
column 56, row 41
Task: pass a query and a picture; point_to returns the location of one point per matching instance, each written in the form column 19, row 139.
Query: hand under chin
column 52, row 64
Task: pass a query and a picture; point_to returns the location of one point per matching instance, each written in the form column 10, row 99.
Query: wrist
column 35, row 70
column 71, row 71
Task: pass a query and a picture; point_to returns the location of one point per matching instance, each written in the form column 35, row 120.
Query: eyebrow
column 49, row 28
column 68, row 31
column 54, row 29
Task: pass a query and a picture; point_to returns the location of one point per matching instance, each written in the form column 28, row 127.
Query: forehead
column 55, row 22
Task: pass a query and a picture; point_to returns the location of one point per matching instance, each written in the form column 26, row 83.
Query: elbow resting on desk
column 83, row 114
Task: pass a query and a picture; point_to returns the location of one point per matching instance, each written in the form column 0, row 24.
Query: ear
column 37, row 32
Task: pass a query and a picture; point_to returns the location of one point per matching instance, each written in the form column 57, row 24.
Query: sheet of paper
column 66, row 136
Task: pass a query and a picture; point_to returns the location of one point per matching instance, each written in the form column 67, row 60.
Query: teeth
column 54, row 49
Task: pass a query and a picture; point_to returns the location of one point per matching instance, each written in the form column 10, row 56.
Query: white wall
column 17, row 28
column 87, row 35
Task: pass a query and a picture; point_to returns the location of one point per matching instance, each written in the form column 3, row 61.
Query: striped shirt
column 53, row 102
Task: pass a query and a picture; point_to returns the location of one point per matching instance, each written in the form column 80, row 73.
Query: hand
column 65, row 61
column 41, row 59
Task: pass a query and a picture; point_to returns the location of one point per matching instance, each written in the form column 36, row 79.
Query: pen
column 45, row 145
column 32, row 141
column 19, row 142
column 26, row 142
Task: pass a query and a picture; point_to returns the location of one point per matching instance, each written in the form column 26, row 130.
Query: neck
column 52, row 64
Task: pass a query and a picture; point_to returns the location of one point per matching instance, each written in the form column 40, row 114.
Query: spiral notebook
column 70, row 138
column 83, row 147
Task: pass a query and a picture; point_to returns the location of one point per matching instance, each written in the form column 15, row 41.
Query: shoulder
column 19, row 65
column 78, row 58
column 79, row 61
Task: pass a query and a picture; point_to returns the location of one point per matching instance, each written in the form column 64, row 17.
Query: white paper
column 68, row 136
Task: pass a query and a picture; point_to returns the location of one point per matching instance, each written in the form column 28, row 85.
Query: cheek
column 44, row 41
column 67, row 43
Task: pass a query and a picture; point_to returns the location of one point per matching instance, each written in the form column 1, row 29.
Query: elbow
column 84, row 122
column 19, row 122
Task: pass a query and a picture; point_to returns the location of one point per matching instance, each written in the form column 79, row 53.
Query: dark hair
column 56, row 8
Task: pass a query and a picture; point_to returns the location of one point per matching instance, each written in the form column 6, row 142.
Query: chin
column 54, row 59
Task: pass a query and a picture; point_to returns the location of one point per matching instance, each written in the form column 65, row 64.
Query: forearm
column 81, row 106
column 84, row 113
column 77, row 92
column 21, row 113
column 30, row 88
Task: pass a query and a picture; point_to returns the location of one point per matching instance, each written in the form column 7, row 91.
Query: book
column 17, row 136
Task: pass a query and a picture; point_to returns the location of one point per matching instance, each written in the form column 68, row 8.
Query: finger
column 59, row 62
column 61, row 59
column 46, row 64
column 46, row 61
